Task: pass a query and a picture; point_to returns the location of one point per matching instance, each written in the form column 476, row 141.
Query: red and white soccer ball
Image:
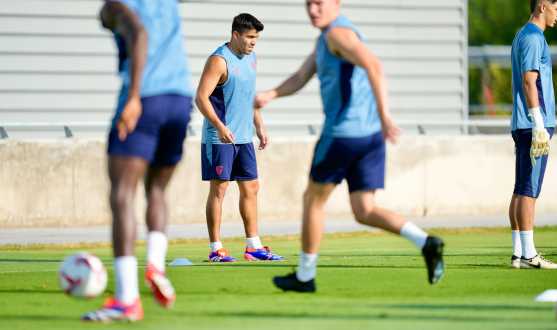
column 82, row 275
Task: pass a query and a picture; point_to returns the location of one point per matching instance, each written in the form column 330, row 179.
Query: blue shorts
column 528, row 178
column 228, row 162
column 160, row 132
column 360, row 160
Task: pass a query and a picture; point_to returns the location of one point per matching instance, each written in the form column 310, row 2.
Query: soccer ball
column 82, row 275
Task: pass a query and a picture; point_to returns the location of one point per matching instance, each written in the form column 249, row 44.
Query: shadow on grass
column 38, row 318
column 383, row 315
column 27, row 260
column 38, row 290
column 276, row 265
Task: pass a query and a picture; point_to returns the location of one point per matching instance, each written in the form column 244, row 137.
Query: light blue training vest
column 348, row 100
column 233, row 100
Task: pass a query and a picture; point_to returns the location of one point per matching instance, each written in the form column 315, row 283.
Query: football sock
column 157, row 244
column 527, row 241
column 215, row 246
column 254, row 243
column 517, row 246
column 126, row 283
column 307, row 267
column 413, row 233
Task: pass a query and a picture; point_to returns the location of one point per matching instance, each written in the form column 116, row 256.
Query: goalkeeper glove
column 540, row 144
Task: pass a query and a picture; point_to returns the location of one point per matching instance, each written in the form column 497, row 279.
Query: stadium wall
column 64, row 182
column 57, row 64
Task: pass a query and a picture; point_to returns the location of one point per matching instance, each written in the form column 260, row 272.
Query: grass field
column 365, row 281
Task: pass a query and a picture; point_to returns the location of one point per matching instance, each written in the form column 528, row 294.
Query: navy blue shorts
column 160, row 132
column 528, row 178
column 360, row 160
column 228, row 162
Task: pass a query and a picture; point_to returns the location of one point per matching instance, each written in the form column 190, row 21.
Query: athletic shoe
column 221, row 255
column 433, row 254
column 163, row 292
column 291, row 283
column 537, row 262
column 114, row 310
column 261, row 254
column 515, row 262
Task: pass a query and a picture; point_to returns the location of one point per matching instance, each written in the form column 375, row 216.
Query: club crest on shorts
column 253, row 65
column 219, row 170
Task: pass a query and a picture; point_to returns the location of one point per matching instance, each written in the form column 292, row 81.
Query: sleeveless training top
column 348, row 100
column 166, row 70
column 233, row 100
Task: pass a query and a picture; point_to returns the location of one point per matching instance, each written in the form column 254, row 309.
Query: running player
column 146, row 138
column 532, row 125
column 225, row 98
column 351, row 147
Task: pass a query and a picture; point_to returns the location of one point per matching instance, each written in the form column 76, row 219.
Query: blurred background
column 447, row 62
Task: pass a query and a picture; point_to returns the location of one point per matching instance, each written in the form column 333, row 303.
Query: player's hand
column 128, row 119
column 263, row 138
column 262, row 99
column 540, row 144
column 391, row 131
column 225, row 135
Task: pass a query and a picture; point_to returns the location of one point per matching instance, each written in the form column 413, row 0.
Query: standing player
column 351, row 147
column 225, row 97
column 147, row 137
column 532, row 125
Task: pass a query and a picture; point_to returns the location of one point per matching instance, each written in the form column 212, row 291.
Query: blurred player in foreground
column 351, row 147
column 532, row 125
column 146, row 137
column 225, row 97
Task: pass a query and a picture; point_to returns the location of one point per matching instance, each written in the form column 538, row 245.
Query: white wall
column 58, row 64
column 64, row 182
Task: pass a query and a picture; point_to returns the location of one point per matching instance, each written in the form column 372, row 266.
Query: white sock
column 413, row 233
column 307, row 267
column 253, row 242
column 126, row 283
column 157, row 245
column 517, row 245
column 215, row 246
column 527, row 241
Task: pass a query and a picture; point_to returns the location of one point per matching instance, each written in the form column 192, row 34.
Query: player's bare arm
column 214, row 72
column 530, row 90
column 291, row 85
column 121, row 19
column 346, row 44
column 260, row 130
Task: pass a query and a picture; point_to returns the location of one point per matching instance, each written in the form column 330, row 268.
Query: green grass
column 365, row 281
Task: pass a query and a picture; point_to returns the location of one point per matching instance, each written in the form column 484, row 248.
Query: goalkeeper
column 532, row 124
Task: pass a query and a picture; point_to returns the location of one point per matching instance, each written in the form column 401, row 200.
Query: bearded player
column 146, row 139
column 225, row 97
column 351, row 147
column 532, row 125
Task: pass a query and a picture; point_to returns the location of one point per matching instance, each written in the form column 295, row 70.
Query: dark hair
column 244, row 22
column 535, row 3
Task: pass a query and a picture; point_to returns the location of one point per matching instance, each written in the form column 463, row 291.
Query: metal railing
column 313, row 126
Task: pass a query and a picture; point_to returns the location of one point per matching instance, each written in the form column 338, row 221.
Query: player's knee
column 250, row 190
column 363, row 215
column 121, row 198
column 219, row 190
column 313, row 196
